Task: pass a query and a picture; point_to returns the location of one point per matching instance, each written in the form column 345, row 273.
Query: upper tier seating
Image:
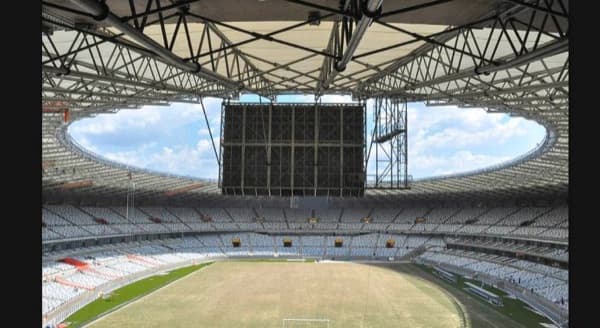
column 62, row 222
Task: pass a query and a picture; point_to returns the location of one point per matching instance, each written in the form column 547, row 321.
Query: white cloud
column 111, row 136
column 150, row 117
column 442, row 140
column 94, row 126
column 446, row 140
column 311, row 98
column 460, row 128
column 184, row 160
column 336, row 99
column 133, row 158
column 203, row 145
column 460, row 161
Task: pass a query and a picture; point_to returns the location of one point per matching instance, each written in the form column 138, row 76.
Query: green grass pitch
column 262, row 294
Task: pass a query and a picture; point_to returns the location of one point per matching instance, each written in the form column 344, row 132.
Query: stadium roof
column 505, row 56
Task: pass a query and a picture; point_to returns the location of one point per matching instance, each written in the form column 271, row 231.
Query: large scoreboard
column 281, row 149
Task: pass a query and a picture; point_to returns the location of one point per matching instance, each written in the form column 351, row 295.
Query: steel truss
column 91, row 73
column 94, row 68
column 389, row 138
column 514, row 61
column 455, row 65
column 345, row 38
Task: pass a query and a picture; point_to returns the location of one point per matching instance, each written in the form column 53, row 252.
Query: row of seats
column 522, row 247
column 549, row 282
column 73, row 231
column 65, row 232
column 63, row 222
column 511, row 216
column 63, row 282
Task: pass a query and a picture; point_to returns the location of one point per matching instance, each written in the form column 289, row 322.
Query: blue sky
column 175, row 139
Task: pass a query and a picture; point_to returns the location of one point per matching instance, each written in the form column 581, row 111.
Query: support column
column 390, row 135
column 292, row 151
column 341, row 109
column 221, row 132
column 269, row 148
column 377, row 109
column 404, row 151
column 316, row 150
column 243, row 147
column 365, row 155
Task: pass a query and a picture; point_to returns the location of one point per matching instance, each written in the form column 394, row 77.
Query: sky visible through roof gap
column 175, row 139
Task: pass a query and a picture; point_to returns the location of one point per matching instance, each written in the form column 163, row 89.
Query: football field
column 263, row 294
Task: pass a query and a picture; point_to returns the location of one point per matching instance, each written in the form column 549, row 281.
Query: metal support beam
column 102, row 13
column 389, row 138
column 361, row 27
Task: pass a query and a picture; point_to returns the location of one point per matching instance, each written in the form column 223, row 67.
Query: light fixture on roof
column 314, row 17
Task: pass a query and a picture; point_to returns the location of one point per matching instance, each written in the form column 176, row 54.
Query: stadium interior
column 293, row 183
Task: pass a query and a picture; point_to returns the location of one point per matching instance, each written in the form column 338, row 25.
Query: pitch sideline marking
column 143, row 296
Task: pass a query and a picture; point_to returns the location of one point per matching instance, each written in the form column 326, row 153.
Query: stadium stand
column 384, row 215
column 215, row 214
column 506, row 221
column 544, row 280
column 355, row 215
column 497, row 221
column 63, row 282
column 330, row 215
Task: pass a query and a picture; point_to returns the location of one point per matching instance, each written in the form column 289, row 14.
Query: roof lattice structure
column 504, row 56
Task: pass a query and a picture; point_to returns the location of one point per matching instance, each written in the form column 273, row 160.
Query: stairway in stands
column 102, row 274
column 414, row 253
column 145, row 261
column 86, row 268
column 72, row 284
column 80, row 265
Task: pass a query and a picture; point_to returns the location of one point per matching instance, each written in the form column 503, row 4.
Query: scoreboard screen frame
column 291, row 149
